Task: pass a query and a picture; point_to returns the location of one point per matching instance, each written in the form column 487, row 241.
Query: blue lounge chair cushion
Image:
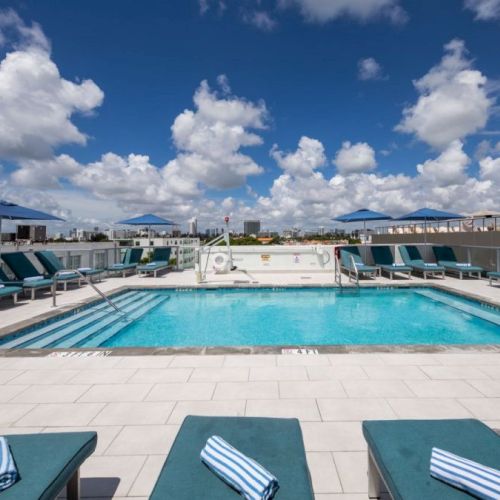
column 411, row 257
column 121, row 267
column 275, row 443
column 345, row 255
column 457, row 267
column 402, row 451
column 52, row 265
column 4, row 279
column 493, row 274
column 20, row 265
column 9, row 290
column 46, row 462
column 153, row 266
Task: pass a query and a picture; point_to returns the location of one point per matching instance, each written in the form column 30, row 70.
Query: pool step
column 103, row 336
column 73, row 322
column 471, row 309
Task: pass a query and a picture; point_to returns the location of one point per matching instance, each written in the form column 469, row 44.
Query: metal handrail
column 338, row 272
column 355, row 267
column 90, row 283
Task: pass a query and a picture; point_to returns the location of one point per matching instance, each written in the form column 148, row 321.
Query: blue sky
column 298, row 65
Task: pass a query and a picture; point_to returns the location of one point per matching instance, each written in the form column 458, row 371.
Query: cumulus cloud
column 322, row 11
column 309, row 156
column 369, row 69
column 355, row 158
column 489, row 169
column 453, row 100
column 261, row 19
column 36, row 103
column 484, row 10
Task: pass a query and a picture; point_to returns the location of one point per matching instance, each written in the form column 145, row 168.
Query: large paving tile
column 11, row 412
column 422, row 408
column 303, row 409
column 398, row 372
column 454, row 372
column 312, row 389
column 160, row 375
column 323, row 473
column 351, row 409
column 483, row 408
column 376, row 389
column 278, row 373
column 143, row 440
column 493, row 371
column 254, row 360
column 179, row 392
column 6, row 375
column 246, row 390
column 44, row 377
column 352, row 469
column 105, row 434
column 415, row 359
column 8, row 392
column 133, row 413
column 6, row 431
column 303, row 360
column 105, row 376
column 490, row 388
column 197, row 361
column 339, row 372
column 145, row 362
column 109, row 477
column 51, row 393
column 478, row 359
column 107, row 393
column 442, row 389
column 333, row 436
column 231, row 374
column 34, row 363
column 61, row 414
column 144, row 484
column 234, row 408
column 355, row 359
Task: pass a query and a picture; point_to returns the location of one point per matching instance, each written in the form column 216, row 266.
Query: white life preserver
column 221, row 263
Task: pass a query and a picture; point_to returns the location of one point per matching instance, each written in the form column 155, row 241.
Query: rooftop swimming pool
column 288, row 316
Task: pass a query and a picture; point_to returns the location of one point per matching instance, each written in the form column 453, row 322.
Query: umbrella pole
column 0, row 239
column 364, row 237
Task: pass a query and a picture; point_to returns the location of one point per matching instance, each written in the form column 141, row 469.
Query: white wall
column 275, row 258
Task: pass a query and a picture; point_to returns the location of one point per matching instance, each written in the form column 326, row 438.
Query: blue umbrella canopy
column 12, row 211
column 362, row 215
column 430, row 214
column 147, row 220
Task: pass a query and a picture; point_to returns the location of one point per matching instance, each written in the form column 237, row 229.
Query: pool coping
column 319, row 349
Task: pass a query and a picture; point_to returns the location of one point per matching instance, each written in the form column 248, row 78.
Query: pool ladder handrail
column 338, row 272
column 90, row 283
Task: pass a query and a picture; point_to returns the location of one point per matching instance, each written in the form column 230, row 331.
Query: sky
column 287, row 111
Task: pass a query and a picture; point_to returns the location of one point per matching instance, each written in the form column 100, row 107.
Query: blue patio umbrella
column 147, row 220
column 362, row 215
column 429, row 214
column 11, row 211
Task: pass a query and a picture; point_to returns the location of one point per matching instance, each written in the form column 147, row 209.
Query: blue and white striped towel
column 8, row 471
column 33, row 278
column 476, row 479
column 245, row 475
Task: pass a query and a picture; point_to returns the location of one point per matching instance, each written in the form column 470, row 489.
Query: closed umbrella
column 429, row 214
column 11, row 211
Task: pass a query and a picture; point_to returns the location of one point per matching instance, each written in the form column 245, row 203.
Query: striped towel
column 242, row 473
column 476, row 479
column 463, row 264
column 33, row 278
column 8, row 471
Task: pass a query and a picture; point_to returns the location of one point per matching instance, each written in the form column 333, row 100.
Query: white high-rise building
column 193, row 227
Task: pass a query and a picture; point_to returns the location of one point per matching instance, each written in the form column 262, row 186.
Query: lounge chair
column 46, row 463
column 351, row 261
column 399, row 453
column 9, row 290
column 493, row 275
column 159, row 261
column 446, row 257
column 382, row 256
column 412, row 258
column 129, row 263
column 52, row 265
column 276, row 443
column 31, row 285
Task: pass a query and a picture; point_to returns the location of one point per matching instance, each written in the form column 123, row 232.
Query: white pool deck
column 136, row 403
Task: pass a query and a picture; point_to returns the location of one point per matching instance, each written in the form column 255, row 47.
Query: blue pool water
column 275, row 317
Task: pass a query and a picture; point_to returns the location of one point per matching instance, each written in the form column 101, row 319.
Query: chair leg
column 33, row 293
column 375, row 483
column 15, row 298
column 73, row 486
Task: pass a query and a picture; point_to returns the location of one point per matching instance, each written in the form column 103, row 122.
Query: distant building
column 291, row 233
column 193, row 227
column 32, row 233
column 251, row 227
column 321, row 231
column 120, row 234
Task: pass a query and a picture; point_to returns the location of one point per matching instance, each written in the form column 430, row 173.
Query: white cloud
column 453, row 100
column 322, row 11
column 309, row 156
column 448, row 168
column 369, row 69
column 355, row 158
column 261, row 19
column 489, row 169
column 485, row 10
column 36, row 103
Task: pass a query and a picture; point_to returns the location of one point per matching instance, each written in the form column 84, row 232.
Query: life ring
column 221, row 263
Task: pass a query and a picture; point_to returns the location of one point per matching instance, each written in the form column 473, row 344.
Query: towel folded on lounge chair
column 2, row 286
column 398, row 264
column 83, row 269
column 8, row 470
column 242, row 473
column 33, row 278
column 430, row 264
column 151, row 264
column 476, row 479
column 463, row 264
